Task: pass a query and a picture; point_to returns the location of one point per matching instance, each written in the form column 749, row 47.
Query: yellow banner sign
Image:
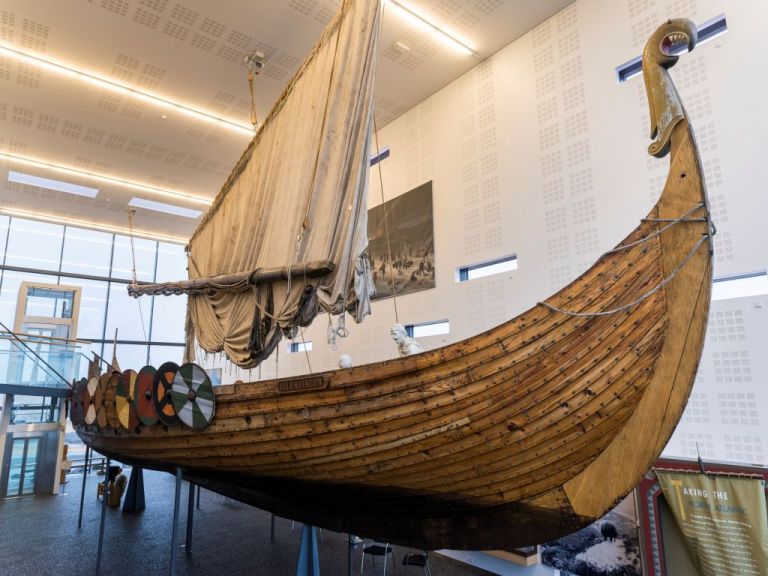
column 723, row 519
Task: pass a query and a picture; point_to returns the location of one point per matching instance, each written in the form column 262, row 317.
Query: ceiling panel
column 192, row 52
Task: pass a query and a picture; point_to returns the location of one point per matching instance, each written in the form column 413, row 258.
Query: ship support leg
column 175, row 531
column 105, row 496
column 190, row 518
column 82, row 488
column 309, row 561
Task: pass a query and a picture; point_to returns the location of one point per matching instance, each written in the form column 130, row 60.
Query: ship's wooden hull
column 547, row 419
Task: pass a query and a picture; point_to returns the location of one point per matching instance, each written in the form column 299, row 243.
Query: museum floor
column 39, row 536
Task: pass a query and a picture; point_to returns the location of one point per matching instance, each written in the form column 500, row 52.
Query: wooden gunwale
column 282, row 432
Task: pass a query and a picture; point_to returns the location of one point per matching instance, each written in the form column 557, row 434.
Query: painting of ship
column 512, row 437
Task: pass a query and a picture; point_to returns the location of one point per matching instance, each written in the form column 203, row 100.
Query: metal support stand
column 105, row 496
column 134, row 496
column 272, row 529
column 82, row 488
column 309, row 561
column 175, row 531
column 350, row 548
column 199, row 489
column 190, row 518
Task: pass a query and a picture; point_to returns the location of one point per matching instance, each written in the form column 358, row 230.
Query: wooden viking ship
column 512, row 437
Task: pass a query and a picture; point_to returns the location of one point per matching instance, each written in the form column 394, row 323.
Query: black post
column 82, row 488
column 175, row 531
column 272, row 529
column 190, row 518
column 105, row 495
column 198, row 497
column 350, row 547
column 134, row 496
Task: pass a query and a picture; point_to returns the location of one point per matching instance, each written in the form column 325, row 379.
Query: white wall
column 539, row 151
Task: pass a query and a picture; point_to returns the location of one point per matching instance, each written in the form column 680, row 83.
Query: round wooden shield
column 126, row 394
column 110, row 400
column 98, row 401
column 193, row 398
column 163, row 386
column 88, row 395
column 145, row 396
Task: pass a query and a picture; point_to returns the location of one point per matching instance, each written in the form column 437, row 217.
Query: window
column 86, row 252
column 122, row 261
column 34, row 245
column 436, row 328
column 305, row 346
column 382, row 155
column 740, row 286
column 127, row 314
column 482, row 269
column 707, row 31
column 168, row 318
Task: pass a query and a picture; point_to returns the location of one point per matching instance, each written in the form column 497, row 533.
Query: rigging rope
column 683, row 218
column 386, row 222
column 254, row 120
column 643, row 297
column 131, row 212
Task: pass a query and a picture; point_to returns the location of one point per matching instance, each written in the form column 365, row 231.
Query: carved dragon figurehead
column 660, row 54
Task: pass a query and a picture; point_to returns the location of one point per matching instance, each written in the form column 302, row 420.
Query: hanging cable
column 131, row 213
column 386, row 223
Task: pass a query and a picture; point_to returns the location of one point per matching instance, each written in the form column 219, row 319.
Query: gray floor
column 39, row 536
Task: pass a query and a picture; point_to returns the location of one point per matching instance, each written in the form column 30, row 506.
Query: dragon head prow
column 661, row 52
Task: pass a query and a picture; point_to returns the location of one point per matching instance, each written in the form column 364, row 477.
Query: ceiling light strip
column 418, row 19
column 98, row 226
column 125, row 90
column 108, row 179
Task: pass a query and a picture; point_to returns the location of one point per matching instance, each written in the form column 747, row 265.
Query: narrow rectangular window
column 740, row 286
column 707, row 31
column 487, row 268
column 382, row 155
column 435, row 328
column 299, row 346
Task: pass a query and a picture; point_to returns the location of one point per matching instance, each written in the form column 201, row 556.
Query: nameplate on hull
column 302, row 385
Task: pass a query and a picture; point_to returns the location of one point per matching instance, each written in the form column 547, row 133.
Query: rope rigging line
column 131, row 212
column 683, row 218
column 643, row 297
column 386, row 222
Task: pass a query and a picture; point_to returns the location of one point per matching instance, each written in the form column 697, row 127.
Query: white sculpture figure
column 345, row 361
column 405, row 344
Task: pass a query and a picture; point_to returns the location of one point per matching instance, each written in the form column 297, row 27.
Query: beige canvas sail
column 297, row 195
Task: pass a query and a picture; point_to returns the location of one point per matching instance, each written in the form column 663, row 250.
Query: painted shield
column 193, row 398
column 126, row 400
column 163, row 392
column 98, row 401
column 110, row 400
column 88, row 395
column 145, row 396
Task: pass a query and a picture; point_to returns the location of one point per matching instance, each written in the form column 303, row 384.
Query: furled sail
column 297, row 196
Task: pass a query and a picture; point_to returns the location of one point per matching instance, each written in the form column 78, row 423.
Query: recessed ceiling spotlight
column 403, row 46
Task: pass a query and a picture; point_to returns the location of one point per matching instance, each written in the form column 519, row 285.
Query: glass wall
column 102, row 265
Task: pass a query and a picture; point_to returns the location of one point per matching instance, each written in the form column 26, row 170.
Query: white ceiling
column 191, row 52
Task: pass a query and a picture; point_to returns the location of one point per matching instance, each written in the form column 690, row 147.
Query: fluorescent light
column 424, row 24
column 99, row 82
column 98, row 226
column 57, row 185
column 162, row 207
column 104, row 178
